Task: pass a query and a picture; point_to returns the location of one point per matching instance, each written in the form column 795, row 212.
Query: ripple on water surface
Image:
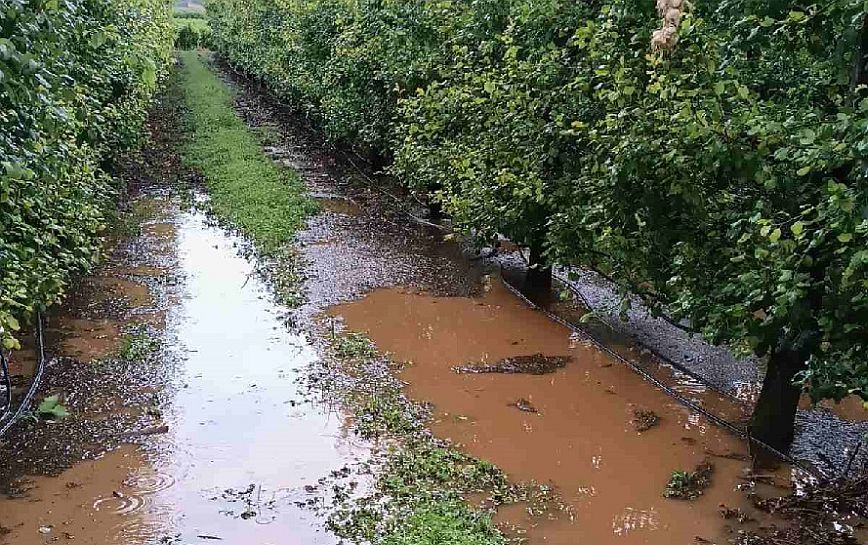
column 242, row 442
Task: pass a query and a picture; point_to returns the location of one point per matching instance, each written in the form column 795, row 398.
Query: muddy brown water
column 244, row 449
column 581, row 440
column 344, row 207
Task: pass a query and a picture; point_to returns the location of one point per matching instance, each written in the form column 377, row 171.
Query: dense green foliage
column 724, row 182
column 191, row 32
column 76, row 77
column 246, row 187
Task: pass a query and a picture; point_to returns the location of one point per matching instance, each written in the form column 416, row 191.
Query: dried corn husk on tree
column 665, row 37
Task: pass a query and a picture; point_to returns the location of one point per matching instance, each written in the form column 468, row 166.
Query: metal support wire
column 723, row 423
column 657, row 354
column 8, row 419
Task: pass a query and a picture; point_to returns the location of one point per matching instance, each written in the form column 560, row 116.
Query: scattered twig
column 155, row 430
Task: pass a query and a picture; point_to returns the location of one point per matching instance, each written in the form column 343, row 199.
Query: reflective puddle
column 243, row 450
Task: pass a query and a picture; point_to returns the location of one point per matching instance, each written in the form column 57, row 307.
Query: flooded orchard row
column 237, row 450
column 188, row 424
column 578, row 429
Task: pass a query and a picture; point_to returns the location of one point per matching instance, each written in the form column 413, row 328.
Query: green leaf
column 51, row 407
column 48, row 404
column 13, row 323
column 797, row 228
column 97, row 40
column 588, row 317
column 803, row 171
column 845, row 237
column 775, row 235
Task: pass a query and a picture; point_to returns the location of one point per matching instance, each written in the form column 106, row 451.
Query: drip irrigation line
column 722, row 422
column 401, row 207
column 7, row 420
column 7, row 386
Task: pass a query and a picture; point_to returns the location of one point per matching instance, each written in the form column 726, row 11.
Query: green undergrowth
column 247, row 189
column 443, row 523
column 137, row 344
column 421, row 481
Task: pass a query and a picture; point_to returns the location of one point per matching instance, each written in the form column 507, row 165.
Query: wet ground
column 834, row 429
column 573, row 428
column 182, row 376
column 238, row 448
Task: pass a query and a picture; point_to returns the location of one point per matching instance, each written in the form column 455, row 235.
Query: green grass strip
column 444, row 523
column 247, row 189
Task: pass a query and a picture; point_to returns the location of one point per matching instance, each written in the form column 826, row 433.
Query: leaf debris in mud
column 644, row 420
column 535, row 364
column 688, row 485
column 524, row 405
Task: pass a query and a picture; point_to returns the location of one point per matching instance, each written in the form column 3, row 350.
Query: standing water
column 606, row 441
column 244, row 449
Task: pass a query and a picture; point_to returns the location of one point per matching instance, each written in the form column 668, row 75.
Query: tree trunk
column 773, row 419
column 860, row 66
column 435, row 211
column 538, row 281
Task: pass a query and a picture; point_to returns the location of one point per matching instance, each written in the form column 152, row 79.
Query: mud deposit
column 573, row 429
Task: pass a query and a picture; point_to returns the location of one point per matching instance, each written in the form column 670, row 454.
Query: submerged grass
column 421, row 481
column 247, row 189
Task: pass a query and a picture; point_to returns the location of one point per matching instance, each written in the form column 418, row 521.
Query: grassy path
column 247, row 189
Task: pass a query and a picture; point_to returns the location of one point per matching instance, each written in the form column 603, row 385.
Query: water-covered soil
column 181, row 378
column 581, row 435
column 203, row 410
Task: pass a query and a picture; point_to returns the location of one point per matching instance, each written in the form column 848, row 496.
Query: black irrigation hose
column 7, row 420
column 723, row 423
column 7, row 386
